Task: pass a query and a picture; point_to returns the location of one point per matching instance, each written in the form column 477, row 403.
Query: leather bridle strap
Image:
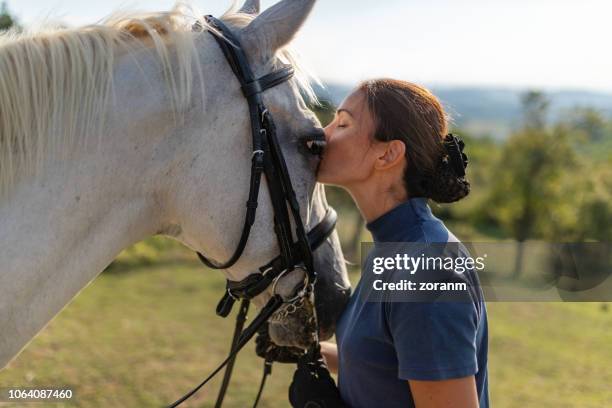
column 316, row 237
column 256, row 283
column 240, row 320
column 267, row 154
column 260, row 160
column 267, row 158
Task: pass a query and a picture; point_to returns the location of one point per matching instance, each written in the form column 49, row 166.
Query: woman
column 386, row 147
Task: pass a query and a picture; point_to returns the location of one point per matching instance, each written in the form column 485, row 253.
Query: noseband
column 267, row 158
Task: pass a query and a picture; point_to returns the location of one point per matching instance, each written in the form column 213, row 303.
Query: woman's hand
column 329, row 351
column 312, row 385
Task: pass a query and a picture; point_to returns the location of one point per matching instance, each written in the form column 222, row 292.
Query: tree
column 581, row 262
column 6, row 19
column 535, row 110
column 527, row 186
column 588, row 201
column 591, row 122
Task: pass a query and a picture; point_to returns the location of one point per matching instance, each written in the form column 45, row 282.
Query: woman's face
column 348, row 157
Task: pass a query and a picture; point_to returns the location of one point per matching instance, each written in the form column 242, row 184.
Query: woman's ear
column 391, row 155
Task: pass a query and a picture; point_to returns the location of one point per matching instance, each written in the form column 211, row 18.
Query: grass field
column 142, row 335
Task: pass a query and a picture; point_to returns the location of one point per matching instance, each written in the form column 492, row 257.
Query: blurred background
column 529, row 87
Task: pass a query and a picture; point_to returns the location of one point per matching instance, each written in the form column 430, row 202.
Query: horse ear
column 250, row 7
column 276, row 26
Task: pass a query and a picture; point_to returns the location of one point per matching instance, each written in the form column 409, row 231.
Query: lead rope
column 317, row 345
column 240, row 319
column 273, row 304
column 267, row 370
column 315, row 351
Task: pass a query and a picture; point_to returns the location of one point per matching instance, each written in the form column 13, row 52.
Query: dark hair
column 408, row 112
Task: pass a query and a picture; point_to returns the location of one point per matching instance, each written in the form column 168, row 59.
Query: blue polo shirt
column 381, row 345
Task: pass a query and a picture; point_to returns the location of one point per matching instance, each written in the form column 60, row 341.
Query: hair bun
column 448, row 183
column 457, row 159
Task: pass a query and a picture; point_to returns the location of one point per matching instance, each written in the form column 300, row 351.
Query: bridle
column 267, row 158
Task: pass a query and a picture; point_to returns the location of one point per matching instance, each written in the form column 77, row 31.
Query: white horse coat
column 108, row 139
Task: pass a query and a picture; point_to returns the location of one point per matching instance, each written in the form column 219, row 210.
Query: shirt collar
column 390, row 226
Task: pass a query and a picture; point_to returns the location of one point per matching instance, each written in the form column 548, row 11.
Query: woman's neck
column 376, row 197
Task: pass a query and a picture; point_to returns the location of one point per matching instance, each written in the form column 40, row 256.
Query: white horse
column 115, row 132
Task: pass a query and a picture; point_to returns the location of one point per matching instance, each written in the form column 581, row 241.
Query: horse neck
column 60, row 231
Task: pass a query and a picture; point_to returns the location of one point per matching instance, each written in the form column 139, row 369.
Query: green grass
column 144, row 335
column 550, row 355
column 143, row 338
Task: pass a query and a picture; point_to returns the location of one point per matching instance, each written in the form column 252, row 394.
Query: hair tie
column 454, row 147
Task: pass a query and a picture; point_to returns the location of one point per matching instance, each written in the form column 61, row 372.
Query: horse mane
column 56, row 81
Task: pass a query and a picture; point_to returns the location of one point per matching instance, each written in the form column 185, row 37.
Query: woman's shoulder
column 433, row 230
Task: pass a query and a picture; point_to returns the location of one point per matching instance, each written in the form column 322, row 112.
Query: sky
column 545, row 44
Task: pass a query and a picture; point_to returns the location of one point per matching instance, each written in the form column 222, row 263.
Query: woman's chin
column 324, row 177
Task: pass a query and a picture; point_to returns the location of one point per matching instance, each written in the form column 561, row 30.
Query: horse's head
column 211, row 203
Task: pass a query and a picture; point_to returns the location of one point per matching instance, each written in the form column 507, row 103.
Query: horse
column 134, row 127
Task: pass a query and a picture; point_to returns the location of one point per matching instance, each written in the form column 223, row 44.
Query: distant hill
column 492, row 111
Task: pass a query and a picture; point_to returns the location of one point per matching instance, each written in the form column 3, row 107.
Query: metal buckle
column 275, row 281
column 301, row 293
column 265, row 271
column 230, row 294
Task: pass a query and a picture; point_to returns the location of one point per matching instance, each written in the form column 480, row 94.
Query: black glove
column 266, row 349
column 312, row 385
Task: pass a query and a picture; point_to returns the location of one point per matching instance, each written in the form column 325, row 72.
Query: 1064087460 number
column 24, row 394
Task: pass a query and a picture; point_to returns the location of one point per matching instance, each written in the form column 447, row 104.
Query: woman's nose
column 327, row 132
